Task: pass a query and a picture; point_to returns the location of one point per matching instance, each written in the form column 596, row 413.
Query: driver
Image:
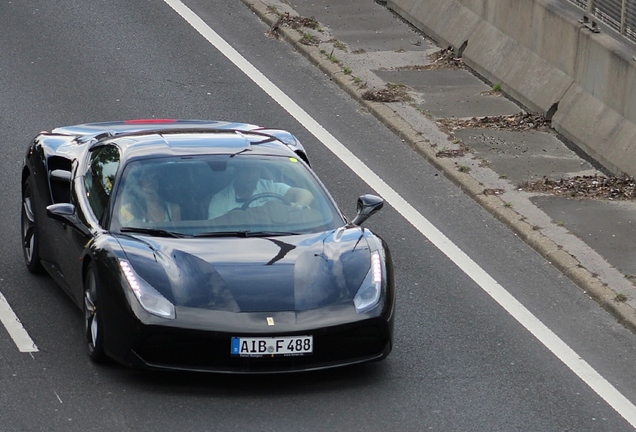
column 247, row 183
column 143, row 201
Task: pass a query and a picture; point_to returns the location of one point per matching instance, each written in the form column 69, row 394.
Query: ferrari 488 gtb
column 205, row 246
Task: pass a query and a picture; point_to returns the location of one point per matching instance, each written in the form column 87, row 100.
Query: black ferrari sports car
column 205, row 246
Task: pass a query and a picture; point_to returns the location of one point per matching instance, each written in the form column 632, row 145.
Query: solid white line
column 14, row 327
column 559, row 348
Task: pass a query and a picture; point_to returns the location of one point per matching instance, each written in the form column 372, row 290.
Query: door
column 90, row 193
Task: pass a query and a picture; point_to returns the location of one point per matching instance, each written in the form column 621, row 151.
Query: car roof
column 137, row 125
column 190, row 143
column 145, row 138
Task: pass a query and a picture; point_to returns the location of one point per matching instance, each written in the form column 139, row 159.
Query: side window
column 99, row 178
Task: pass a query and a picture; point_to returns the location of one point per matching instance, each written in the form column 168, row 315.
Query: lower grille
column 203, row 351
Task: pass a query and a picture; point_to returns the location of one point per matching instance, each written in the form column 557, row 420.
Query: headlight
column 149, row 298
column 369, row 293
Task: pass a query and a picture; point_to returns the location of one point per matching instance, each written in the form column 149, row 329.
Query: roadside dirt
column 517, row 122
column 390, row 93
column 442, row 59
column 581, row 187
column 596, row 187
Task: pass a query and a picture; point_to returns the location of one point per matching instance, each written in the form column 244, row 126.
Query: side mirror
column 367, row 206
column 61, row 175
column 62, row 212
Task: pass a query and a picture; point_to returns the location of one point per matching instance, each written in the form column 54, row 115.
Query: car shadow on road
column 230, row 385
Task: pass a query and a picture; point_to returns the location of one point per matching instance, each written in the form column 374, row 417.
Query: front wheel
column 29, row 229
column 94, row 328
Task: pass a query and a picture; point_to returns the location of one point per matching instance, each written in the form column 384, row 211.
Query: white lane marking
column 15, row 328
column 560, row 349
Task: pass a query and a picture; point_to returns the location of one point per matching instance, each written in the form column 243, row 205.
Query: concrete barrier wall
column 542, row 56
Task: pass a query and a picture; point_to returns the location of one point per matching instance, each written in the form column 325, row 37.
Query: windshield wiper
column 245, row 234
column 271, row 233
column 151, row 231
column 222, row 234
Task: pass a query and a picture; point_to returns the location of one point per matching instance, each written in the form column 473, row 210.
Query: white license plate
column 272, row 346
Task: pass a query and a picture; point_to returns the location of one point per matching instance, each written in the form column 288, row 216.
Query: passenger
column 247, row 183
column 144, row 203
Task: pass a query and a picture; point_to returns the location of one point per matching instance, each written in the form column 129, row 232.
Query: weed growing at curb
column 620, row 297
column 339, row 45
column 309, row 39
column 449, row 153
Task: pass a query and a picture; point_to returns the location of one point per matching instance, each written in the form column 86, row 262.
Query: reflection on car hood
column 298, row 272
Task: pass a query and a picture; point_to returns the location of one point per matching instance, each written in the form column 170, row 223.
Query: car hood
column 291, row 273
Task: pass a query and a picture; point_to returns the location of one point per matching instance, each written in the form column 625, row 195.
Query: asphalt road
column 460, row 361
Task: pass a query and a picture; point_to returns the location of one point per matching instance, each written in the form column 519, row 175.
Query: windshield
column 239, row 195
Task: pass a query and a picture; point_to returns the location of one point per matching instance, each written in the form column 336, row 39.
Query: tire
column 30, row 230
column 93, row 327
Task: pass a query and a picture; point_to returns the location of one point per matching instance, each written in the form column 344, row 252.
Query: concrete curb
column 542, row 244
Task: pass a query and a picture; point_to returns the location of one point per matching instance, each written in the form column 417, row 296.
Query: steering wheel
column 258, row 196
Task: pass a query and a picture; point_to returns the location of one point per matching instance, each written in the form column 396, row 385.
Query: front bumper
column 179, row 349
column 200, row 340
